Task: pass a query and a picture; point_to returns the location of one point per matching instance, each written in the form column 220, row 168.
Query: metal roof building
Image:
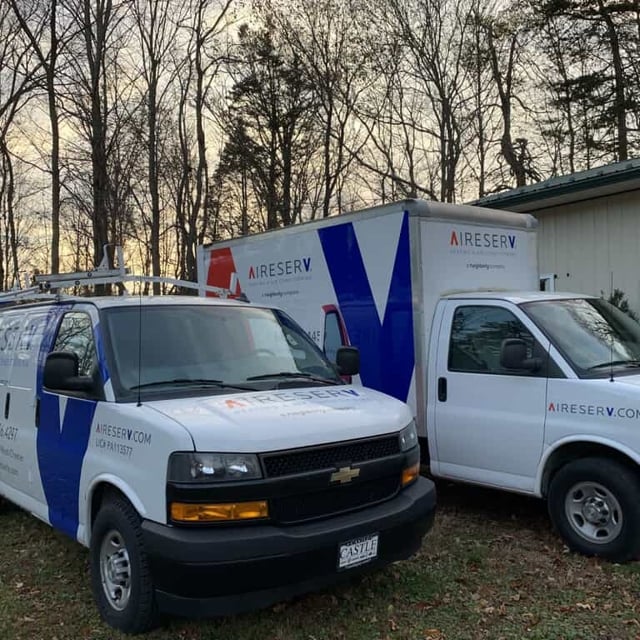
column 589, row 228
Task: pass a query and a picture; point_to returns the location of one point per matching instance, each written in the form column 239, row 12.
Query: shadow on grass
column 497, row 505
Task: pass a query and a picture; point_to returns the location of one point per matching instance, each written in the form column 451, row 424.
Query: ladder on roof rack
column 44, row 285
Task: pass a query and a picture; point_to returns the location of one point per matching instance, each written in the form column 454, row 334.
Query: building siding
column 588, row 245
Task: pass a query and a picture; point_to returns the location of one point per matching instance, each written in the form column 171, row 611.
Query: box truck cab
column 205, row 451
column 512, row 388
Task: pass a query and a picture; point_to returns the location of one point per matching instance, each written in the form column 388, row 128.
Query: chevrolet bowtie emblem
column 344, row 475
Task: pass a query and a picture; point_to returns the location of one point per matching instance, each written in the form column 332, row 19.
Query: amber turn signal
column 410, row 474
column 226, row 511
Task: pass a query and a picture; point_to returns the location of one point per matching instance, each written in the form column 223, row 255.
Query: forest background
column 159, row 125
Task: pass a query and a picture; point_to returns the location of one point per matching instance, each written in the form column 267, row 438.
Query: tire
column 120, row 576
column 594, row 504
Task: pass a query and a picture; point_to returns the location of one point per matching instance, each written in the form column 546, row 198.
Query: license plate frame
column 358, row 551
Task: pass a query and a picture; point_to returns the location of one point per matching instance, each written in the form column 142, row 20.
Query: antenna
column 139, row 343
column 611, row 378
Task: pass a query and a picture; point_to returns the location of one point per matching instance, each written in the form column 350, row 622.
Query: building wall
column 590, row 244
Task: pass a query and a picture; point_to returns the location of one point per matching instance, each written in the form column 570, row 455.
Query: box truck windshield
column 592, row 334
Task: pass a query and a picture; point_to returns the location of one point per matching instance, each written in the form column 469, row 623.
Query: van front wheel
column 120, row 576
column 594, row 503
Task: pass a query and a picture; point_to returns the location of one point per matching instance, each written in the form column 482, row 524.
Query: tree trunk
column 620, row 106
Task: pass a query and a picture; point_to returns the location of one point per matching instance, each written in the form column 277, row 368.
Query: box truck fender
column 575, row 446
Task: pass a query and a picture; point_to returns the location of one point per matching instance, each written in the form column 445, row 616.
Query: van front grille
column 333, row 500
column 284, row 463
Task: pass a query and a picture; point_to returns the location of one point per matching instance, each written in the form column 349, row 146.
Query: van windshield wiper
column 197, row 382
column 616, row 363
column 294, row 374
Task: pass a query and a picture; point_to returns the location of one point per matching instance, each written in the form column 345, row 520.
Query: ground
column 491, row 568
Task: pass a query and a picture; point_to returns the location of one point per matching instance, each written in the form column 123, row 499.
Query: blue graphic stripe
column 48, row 337
column 386, row 350
column 102, row 358
column 62, row 441
column 61, row 451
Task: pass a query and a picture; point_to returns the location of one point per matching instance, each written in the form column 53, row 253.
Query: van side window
column 76, row 336
column 476, row 338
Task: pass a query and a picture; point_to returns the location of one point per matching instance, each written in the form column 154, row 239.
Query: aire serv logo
column 480, row 240
column 601, row 411
column 291, row 267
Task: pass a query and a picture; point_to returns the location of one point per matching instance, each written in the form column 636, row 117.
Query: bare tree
column 434, row 34
column 321, row 34
column 19, row 77
column 39, row 22
column 504, row 46
column 394, row 161
column 90, row 58
column 205, row 54
column 157, row 25
column 610, row 30
column 271, row 131
column 483, row 124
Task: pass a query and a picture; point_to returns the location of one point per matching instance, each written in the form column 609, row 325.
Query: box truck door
column 334, row 334
column 489, row 419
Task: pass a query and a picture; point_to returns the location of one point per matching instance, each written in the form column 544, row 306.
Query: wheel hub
column 115, row 570
column 593, row 512
column 596, row 511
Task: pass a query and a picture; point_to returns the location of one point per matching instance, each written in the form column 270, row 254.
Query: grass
column 491, row 568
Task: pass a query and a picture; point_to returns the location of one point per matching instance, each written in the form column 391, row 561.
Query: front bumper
column 226, row 570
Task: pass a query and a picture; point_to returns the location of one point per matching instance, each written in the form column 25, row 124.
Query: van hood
column 633, row 380
column 285, row 419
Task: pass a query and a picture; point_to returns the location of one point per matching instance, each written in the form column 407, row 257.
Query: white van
column 205, row 451
column 512, row 388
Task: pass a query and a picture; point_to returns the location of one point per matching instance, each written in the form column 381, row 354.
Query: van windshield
column 209, row 349
column 591, row 333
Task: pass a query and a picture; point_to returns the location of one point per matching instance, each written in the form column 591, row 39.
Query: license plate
column 359, row 551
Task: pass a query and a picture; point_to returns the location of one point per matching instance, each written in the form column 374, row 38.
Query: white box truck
column 512, row 388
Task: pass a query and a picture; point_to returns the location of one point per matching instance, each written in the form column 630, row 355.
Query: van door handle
column 442, row 389
column 7, row 403
column 37, row 416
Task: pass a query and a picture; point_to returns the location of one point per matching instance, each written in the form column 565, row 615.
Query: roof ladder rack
column 44, row 285
column 100, row 275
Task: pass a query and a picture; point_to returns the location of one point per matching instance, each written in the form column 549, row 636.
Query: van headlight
column 213, row 467
column 409, row 437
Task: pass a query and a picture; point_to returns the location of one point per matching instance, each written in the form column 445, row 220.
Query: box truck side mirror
column 348, row 361
column 513, row 355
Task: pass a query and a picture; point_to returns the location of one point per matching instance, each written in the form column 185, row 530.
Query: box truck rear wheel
column 120, row 575
column 594, row 503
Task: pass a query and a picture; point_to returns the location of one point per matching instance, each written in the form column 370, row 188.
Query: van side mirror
column 513, row 355
column 348, row 361
column 61, row 373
